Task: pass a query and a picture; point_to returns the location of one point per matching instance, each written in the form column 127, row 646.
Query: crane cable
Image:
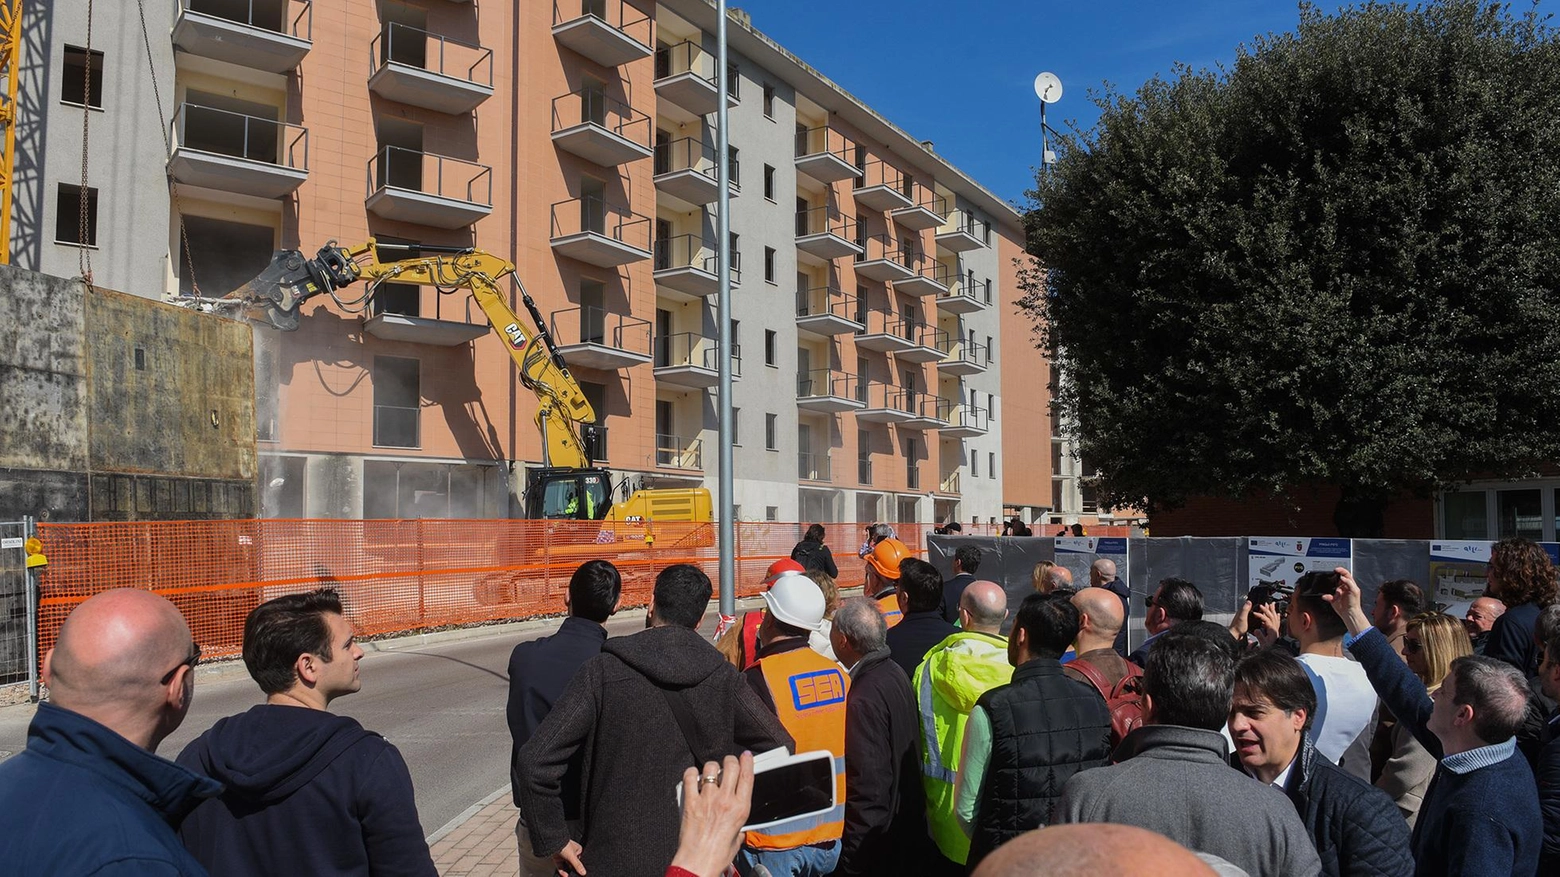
column 83, row 254
column 162, row 121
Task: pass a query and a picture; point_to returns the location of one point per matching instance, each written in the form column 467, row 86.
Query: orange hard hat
column 886, row 556
column 780, row 568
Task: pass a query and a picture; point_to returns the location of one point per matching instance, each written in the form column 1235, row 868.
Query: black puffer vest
column 1045, row 727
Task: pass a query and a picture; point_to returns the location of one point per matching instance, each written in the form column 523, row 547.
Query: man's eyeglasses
column 1148, row 601
column 1412, row 646
column 189, row 662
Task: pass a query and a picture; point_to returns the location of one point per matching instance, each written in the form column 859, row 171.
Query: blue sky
column 971, row 89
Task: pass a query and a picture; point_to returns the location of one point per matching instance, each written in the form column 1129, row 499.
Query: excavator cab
column 568, row 494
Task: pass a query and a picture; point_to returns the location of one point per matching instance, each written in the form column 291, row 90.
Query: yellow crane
column 10, row 58
column 567, row 485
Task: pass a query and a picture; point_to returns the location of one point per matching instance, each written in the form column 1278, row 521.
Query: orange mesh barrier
column 397, row 575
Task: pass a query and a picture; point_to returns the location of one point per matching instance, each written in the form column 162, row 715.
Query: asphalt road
column 441, row 704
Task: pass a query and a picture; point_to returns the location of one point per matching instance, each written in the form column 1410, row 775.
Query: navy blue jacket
column 1549, row 797
column 83, row 800
column 539, row 671
column 1511, row 639
column 1482, row 823
column 308, row 792
column 1357, row 828
column 916, row 634
column 953, row 589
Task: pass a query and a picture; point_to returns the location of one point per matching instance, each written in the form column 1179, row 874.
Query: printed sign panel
column 1281, row 561
column 1457, row 570
column 1078, row 553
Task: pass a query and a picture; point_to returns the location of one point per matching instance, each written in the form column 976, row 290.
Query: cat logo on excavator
column 516, row 335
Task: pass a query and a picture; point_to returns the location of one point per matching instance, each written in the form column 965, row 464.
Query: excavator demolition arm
column 291, row 279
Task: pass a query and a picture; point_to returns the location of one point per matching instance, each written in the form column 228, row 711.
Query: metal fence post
column 30, row 531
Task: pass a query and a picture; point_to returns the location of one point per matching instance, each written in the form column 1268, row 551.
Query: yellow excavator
column 566, row 486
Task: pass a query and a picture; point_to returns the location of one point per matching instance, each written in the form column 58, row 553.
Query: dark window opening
column 67, row 216
column 73, row 84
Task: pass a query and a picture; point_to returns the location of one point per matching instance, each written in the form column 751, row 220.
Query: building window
column 595, row 432
column 988, row 350
column 974, row 465
column 771, row 513
column 397, row 402
column 912, row 471
column 991, row 464
column 73, row 81
column 736, row 427
column 769, row 182
column 771, row 422
column 733, row 166
column 863, row 456
column 769, row 264
column 67, row 215
column 769, row 101
column 770, row 343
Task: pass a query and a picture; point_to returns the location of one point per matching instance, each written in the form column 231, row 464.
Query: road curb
column 466, row 814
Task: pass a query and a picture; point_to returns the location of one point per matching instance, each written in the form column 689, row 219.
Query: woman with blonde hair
column 1433, row 640
column 819, row 639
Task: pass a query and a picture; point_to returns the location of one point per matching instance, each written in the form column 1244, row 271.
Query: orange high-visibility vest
column 888, row 604
column 809, row 694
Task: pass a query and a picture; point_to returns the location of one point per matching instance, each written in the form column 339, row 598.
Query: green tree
column 1336, row 262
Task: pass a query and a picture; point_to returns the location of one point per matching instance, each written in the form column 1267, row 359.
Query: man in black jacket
column 1025, row 739
column 1356, row 827
column 885, row 804
column 308, row 792
column 538, row 672
column 920, row 590
column 966, row 560
column 641, row 712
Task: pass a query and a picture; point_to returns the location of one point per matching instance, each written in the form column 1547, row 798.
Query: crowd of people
column 1314, row 734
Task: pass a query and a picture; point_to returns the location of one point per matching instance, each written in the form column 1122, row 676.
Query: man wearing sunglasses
column 88, row 796
column 307, row 791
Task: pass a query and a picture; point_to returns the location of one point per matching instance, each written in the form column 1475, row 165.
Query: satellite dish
column 1048, row 88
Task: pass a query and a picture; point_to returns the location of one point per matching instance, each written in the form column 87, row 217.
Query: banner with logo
column 1457, row 570
column 1281, row 561
column 1078, row 553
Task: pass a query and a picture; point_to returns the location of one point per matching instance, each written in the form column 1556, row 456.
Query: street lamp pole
column 726, row 538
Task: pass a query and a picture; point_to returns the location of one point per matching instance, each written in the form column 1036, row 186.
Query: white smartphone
column 787, row 787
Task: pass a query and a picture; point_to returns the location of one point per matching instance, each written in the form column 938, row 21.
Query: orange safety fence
column 399, row 575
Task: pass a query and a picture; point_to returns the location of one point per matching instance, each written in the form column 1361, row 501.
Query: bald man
column 88, row 796
column 1480, row 619
column 1102, row 574
column 1099, row 622
column 954, row 674
column 1092, row 850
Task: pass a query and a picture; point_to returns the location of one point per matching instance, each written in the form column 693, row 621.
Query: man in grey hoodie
column 645, row 709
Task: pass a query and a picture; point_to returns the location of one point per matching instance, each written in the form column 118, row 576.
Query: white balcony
column 233, row 152
column 427, row 189
column 929, row 278
column 688, row 359
column 420, row 315
column 270, row 35
column 685, row 173
column 965, row 421
column 882, row 403
column 964, row 295
column 420, row 330
column 929, row 210
column 963, row 232
column 962, row 358
column 828, row 391
column 598, row 233
column 930, row 412
column 421, row 69
column 825, row 312
column 591, row 337
column 825, row 155
column 887, row 333
column 685, row 79
column 609, row 32
column 825, row 234
column 883, row 259
column 600, row 129
column 688, row 264
column 882, row 187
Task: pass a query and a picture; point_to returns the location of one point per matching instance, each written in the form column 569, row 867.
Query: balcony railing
column 949, row 483
column 964, row 231
column 686, row 154
column 675, row 452
column 252, row 138
column 928, row 277
column 912, row 474
column 926, row 210
column 595, row 216
column 827, row 382
column 397, row 426
column 609, row 32
column 884, row 258
column 825, row 220
column 234, row 152
column 882, row 186
column 693, row 350
column 598, row 338
column 961, row 356
column 864, row 471
column 277, row 16
column 688, row 251
column 813, row 466
column 826, row 155
column 428, row 189
column 444, row 56
column 599, row 128
column 965, row 294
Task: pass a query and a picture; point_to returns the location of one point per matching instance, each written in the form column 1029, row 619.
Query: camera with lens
column 1275, row 592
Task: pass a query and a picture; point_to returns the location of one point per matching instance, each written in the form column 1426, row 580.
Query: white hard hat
column 796, row 600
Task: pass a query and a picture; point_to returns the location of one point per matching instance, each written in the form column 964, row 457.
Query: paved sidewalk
column 481, row 844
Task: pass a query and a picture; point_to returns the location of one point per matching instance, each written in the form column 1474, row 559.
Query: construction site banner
column 1457, row 570
column 1281, row 561
column 1078, row 553
column 398, row 575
